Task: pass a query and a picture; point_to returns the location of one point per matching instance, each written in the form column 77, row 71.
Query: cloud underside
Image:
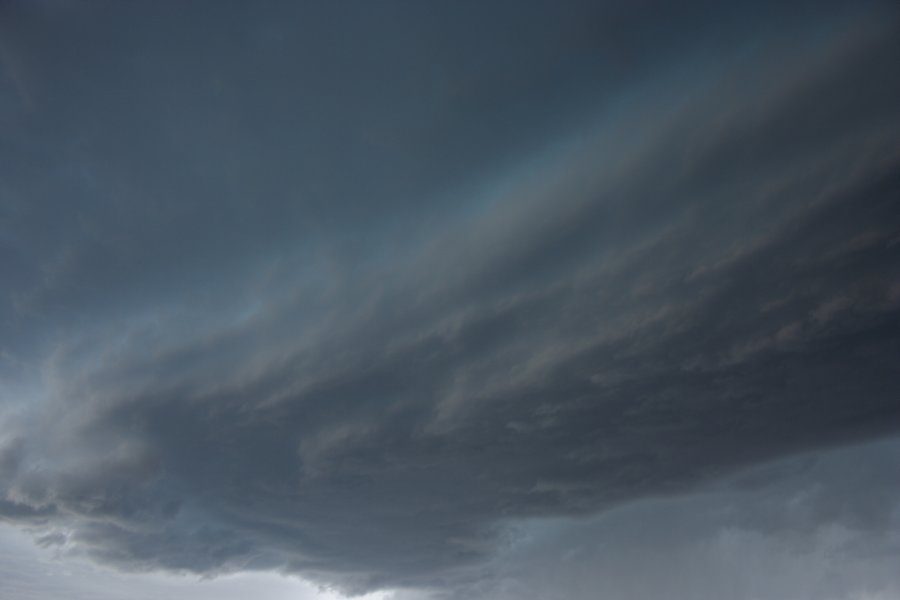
column 700, row 275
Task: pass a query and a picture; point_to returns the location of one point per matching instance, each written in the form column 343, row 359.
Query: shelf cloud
column 426, row 296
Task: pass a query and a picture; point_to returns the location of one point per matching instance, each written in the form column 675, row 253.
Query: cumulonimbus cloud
column 698, row 276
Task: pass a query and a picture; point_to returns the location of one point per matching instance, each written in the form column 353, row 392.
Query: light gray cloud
column 322, row 304
column 793, row 529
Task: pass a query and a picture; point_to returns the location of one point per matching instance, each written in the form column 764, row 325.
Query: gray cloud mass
column 348, row 290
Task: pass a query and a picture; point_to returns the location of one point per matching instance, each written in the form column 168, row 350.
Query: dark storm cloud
column 345, row 292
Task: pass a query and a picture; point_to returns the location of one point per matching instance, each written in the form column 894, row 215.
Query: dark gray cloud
column 347, row 291
column 31, row 573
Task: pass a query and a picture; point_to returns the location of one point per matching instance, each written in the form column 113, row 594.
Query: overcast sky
column 439, row 300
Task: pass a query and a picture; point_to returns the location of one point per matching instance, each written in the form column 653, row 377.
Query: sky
column 495, row 299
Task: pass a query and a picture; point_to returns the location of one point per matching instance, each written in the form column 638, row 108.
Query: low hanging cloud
column 359, row 314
